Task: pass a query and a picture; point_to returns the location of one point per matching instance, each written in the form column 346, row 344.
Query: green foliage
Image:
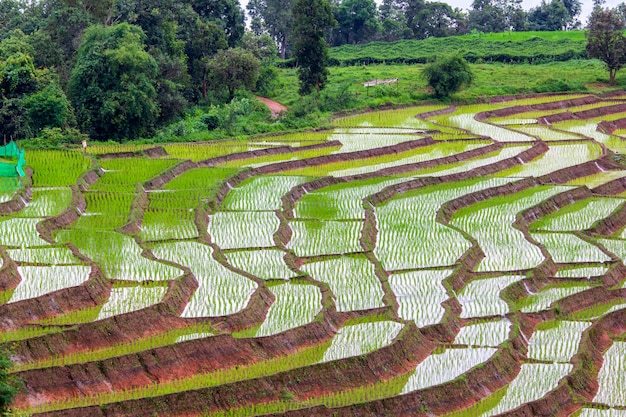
column 55, row 138
column 311, row 19
column 447, row 75
column 357, row 21
column 8, row 383
column 605, row 39
column 233, row 68
column 48, row 108
column 510, row 48
column 113, row 84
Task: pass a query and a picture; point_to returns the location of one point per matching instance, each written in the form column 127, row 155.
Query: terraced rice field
column 428, row 261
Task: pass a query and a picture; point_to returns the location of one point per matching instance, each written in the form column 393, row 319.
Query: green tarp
column 13, row 161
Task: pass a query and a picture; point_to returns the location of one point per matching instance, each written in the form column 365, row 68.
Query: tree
column 275, row 18
column 311, row 19
column 497, row 15
column 112, row 86
column 447, row 75
column 225, row 13
column 551, row 16
column 605, row 39
column 234, row 68
column 357, row 21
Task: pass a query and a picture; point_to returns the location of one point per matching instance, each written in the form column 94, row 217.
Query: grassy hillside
column 345, row 86
column 510, row 47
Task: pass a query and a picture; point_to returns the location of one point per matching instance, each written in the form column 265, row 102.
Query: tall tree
column 275, row 18
column 311, row 19
column 605, row 39
column 549, row 16
column 393, row 21
column 225, row 13
column 113, row 86
column 233, row 69
column 497, row 15
column 357, row 21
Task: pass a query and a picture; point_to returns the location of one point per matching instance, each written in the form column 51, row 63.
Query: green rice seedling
column 43, row 256
column 353, row 142
column 127, row 299
column 261, row 193
column 361, row 339
column 580, row 215
column 536, row 114
column 266, row 264
column 296, row 304
column 118, row 255
column 422, row 154
column 446, row 366
column 582, row 272
column 293, row 139
column 352, row 281
column 8, row 187
column 543, row 299
column 201, row 179
column 598, row 310
column 48, row 201
column 259, row 161
column 484, row 334
column 123, row 173
column 588, row 128
column 56, row 168
column 490, row 223
column 160, row 224
column 404, row 118
column 481, row 297
column 468, row 122
column 532, row 383
column 409, row 234
column 247, row 229
column 595, row 412
column 559, row 156
column 205, row 150
column 342, row 201
column 545, row 133
column 38, row 280
column 312, row 238
column 596, row 180
column 568, row 248
column 616, row 246
column 612, row 377
column 483, row 160
column 419, row 295
column 102, row 148
column 221, row 292
column 20, row 232
column 556, row 341
column 105, row 211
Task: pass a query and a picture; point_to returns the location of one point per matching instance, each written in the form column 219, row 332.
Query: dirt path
column 274, row 106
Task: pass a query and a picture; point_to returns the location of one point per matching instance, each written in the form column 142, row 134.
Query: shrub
column 448, row 75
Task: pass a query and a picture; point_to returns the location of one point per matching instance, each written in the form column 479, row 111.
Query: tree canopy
column 605, row 39
column 448, row 75
column 312, row 18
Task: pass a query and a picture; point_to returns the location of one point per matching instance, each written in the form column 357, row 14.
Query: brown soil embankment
column 91, row 293
column 582, row 115
column 407, row 350
column 22, row 197
column 166, row 364
column 553, row 105
column 115, row 331
column 185, row 166
column 9, row 275
column 156, row 152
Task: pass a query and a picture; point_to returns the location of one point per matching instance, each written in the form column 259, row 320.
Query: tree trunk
column 283, row 47
column 612, row 76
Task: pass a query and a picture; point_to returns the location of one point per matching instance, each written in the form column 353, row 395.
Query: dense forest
column 124, row 69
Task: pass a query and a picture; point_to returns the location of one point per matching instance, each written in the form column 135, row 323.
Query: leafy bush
column 558, row 85
column 447, row 75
